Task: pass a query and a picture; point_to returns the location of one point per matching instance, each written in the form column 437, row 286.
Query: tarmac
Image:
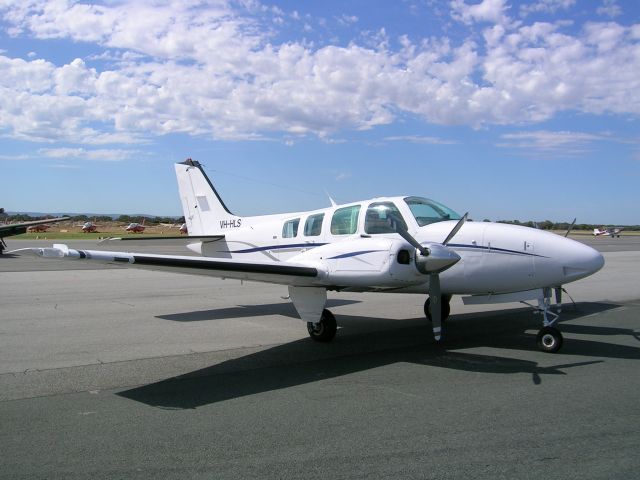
column 109, row 372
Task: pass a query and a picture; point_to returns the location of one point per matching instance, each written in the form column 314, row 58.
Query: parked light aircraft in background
column 89, row 227
column 606, row 232
column 42, row 227
column 182, row 228
column 388, row 244
column 11, row 229
column 136, row 227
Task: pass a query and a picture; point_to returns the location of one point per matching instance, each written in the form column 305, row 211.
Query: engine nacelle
column 366, row 262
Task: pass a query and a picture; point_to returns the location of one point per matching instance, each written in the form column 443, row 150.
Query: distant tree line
column 23, row 217
column 147, row 220
column 549, row 225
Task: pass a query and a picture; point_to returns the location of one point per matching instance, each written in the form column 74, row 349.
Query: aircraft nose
column 580, row 261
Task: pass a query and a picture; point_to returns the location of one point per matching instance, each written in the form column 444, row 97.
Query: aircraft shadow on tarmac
column 285, row 309
column 305, row 361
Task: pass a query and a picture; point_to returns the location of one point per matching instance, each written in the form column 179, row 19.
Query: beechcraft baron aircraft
column 389, row 244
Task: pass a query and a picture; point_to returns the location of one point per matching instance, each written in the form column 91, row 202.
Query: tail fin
column 204, row 211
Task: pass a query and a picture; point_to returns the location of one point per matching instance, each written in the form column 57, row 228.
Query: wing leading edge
column 20, row 228
column 283, row 273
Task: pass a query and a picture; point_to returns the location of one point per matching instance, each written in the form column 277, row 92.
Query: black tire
column 549, row 339
column 445, row 309
column 325, row 329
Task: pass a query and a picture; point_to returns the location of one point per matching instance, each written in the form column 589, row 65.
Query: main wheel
column 549, row 339
column 325, row 329
column 445, row 308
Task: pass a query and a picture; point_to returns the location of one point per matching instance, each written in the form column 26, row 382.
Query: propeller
column 432, row 260
column 458, row 226
column 570, row 227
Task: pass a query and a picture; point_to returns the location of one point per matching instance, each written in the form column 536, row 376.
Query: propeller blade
column 455, row 229
column 570, row 227
column 435, row 306
column 398, row 226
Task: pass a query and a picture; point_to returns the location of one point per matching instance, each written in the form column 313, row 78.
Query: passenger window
column 290, row 228
column 380, row 217
column 313, row 225
column 345, row 220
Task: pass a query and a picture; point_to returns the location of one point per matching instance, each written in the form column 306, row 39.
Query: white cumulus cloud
column 211, row 68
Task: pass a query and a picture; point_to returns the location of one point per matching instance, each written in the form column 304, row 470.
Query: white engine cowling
column 365, row 262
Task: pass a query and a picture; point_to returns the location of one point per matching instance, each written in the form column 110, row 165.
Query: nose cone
column 578, row 260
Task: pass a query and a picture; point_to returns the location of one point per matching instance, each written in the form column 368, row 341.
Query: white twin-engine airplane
column 388, row 244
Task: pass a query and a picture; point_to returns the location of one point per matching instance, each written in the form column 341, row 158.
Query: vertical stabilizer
column 204, row 211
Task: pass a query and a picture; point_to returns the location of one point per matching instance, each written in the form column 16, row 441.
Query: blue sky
column 506, row 109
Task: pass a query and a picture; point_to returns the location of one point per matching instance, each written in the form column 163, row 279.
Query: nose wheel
column 549, row 339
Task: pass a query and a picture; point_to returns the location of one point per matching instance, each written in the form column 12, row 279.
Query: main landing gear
column 549, row 338
column 325, row 329
column 446, row 308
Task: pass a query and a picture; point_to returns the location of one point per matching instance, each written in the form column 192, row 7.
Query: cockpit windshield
column 427, row 211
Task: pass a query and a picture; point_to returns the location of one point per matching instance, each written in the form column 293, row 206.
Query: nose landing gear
column 549, row 338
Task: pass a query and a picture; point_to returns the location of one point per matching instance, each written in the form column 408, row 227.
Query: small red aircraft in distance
column 43, row 227
column 608, row 232
column 89, row 227
column 135, row 227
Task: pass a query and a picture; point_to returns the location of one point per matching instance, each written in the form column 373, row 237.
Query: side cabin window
column 345, row 220
column 381, row 217
column 313, row 225
column 290, row 228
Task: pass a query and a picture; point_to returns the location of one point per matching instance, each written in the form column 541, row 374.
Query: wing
column 20, row 228
column 283, row 273
column 163, row 241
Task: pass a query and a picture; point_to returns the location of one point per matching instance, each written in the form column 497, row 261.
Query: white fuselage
column 495, row 258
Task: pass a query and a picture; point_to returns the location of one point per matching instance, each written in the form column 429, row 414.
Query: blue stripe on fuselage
column 352, row 254
column 494, row 249
column 277, row 247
